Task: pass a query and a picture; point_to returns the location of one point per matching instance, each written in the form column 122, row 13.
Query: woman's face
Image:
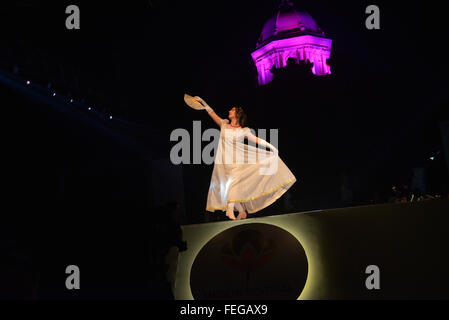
column 232, row 113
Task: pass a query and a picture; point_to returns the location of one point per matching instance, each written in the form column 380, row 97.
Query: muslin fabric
column 245, row 174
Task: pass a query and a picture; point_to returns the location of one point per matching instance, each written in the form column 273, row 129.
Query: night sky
column 131, row 57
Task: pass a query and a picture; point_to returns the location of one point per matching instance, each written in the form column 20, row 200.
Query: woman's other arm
column 251, row 137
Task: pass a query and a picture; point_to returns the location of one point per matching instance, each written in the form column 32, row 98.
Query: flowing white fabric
column 245, row 174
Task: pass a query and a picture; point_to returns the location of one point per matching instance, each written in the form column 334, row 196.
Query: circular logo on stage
column 250, row 261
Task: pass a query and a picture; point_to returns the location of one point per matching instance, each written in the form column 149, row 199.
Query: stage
column 389, row 251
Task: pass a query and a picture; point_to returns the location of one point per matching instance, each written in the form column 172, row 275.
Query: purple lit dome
column 288, row 22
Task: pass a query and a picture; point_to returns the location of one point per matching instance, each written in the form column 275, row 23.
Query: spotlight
column 89, row 108
column 110, row 117
column 28, row 82
column 54, row 94
column 71, row 100
column 432, row 158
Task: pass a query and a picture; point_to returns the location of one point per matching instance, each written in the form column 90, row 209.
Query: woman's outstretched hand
column 205, row 105
column 272, row 148
column 209, row 110
column 199, row 99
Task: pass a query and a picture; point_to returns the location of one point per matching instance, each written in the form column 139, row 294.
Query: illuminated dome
column 288, row 22
column 290, row 34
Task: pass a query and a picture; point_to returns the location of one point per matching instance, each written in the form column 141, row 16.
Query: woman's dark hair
column 241, row 116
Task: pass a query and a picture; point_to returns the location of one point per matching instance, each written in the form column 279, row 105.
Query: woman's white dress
column 245, row 174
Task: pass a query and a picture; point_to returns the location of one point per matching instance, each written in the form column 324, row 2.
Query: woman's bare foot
column 242, row 215
column 230, row 214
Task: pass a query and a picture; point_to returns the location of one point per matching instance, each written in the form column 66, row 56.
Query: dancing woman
column 239, row 185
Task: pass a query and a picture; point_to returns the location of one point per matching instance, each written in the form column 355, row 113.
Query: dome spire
column 285, row 3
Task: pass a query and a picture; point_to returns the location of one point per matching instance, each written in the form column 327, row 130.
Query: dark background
column 81, row 187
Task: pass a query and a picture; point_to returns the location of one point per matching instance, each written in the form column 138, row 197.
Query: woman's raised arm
column 209, row 110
